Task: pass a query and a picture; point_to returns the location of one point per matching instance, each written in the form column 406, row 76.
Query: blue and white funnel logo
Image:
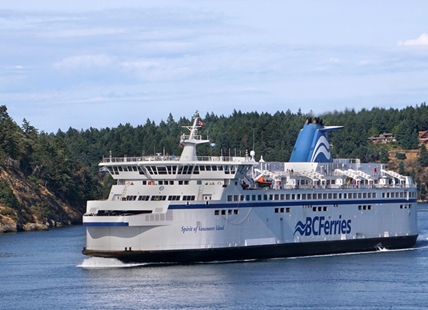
column 312, row 143
column 321, row 150
column 317, row 225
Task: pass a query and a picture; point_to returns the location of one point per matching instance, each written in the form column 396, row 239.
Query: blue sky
column 97, row 64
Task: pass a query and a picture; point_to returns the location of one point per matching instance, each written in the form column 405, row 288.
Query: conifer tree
column 384, row 155
column 401, row 169
column 423, row 156
column 407, row 134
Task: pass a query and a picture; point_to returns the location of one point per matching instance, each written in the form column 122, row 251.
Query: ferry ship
column 222, row 208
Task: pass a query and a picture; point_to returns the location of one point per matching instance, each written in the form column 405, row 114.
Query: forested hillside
column 46, row 178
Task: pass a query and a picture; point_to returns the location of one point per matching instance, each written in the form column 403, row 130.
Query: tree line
column 66, row 162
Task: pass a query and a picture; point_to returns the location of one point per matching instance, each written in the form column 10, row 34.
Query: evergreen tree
column 423, row 156
column 384, row 155
column 67, row 162
column 7, row 197
column 373, row 132
column 401, row 169
column 407, row 134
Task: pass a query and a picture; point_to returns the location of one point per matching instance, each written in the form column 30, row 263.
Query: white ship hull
column 190, row 210
column 199, row 231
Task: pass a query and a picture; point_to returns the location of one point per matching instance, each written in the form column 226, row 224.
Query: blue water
column 46, row 270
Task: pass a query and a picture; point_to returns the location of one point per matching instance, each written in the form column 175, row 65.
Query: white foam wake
column 100, row 262
column 378, row 250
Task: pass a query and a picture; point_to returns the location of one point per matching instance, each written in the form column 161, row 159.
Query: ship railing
column 141, row 158
column 174, row 158
column 350, row 186
column 224, row 158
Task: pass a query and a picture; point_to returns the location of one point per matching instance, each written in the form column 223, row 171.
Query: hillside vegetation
column 46, row 178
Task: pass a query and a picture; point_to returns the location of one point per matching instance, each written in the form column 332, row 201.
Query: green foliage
column 107, row 183
column 40, row 210
column 67, row 162
column 47, row 159
column 373, row 132
column 7, row 197
column 8, row 212
column 399, row 155
column 33, row 180
column 407, row 134
column 384, row 155
column 423, row 156
column 401, row 169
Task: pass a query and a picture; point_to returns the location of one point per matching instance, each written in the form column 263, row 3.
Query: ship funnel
column 312, row 143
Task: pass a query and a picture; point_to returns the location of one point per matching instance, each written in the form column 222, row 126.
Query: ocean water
column 46, row 270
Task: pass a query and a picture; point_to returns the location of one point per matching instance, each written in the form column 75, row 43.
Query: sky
column 99, row 64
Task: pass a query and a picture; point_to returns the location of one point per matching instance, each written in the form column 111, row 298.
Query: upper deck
column 162, row 158
column 171, row 167
column 312, row 172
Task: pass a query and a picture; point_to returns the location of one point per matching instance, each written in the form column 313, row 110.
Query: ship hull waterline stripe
column 258, row 252
column 105, row 224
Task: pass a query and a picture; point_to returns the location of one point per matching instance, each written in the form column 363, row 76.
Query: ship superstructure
column 191, row 209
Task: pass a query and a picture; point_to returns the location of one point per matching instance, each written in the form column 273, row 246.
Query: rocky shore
column 26, row 205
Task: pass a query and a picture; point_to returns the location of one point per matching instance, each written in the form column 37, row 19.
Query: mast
column 190, row 141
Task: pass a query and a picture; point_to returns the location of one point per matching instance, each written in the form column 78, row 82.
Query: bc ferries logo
column 321, row 149
column 318, row 225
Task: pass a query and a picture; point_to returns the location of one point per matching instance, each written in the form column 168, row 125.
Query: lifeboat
column 263, row 183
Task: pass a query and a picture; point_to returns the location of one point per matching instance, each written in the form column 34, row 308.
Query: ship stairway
column 394, row 174
column 124, row 191
column 349, row 173
column 313, row 175
column 249, row 179
column 200, row 192
column 266, row 173
column 362, row 174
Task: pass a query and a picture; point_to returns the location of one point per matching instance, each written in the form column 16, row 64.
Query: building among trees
column 386, row 137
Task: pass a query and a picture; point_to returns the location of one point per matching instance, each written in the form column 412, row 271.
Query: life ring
column 219, row 183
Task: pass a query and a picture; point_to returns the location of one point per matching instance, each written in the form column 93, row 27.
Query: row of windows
column 319, row 209
column 365, row 207
column 315, row 196
column 398, row 195
column 189, row 169
column 223, row 212
column 160, row 182
column 312, row 196
column 188, row 198
column 325, row 208
column 118, row 169
column 314, row 209
column 282, row 210
column 173, row 170
column 159, row 197
column 394, row 195
column 174, row 197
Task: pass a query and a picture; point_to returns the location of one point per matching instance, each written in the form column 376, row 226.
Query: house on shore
column 384, row 138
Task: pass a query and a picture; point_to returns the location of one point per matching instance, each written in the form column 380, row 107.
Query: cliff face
column 27, row 205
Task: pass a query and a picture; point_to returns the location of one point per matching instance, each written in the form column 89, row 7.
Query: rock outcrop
column 36, row 207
